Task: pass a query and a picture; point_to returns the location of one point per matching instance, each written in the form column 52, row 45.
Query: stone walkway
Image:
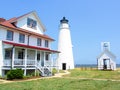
column 61, row 74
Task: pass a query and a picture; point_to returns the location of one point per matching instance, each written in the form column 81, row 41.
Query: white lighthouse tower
column 65, row 57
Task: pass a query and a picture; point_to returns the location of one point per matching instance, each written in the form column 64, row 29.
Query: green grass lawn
column 78, row 73
column 62, row 84
column 70, row 82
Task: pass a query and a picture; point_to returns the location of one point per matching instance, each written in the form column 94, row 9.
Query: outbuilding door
column 106, row 64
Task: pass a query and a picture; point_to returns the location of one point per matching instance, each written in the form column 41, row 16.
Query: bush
column 26, row 77
column 54, row 71
column 38, row 73
column 15, row 74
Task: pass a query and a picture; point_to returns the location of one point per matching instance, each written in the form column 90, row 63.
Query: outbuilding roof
column 108, row 53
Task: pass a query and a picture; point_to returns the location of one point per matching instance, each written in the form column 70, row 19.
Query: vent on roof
column 2, row 20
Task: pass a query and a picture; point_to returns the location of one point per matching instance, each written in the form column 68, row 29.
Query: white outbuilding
column 106, row 60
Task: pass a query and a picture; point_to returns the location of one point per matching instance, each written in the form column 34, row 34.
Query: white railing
column 47, row 63
column 30, row 63
column 38, row 63
column 7, row 62
column 19, row 62
column 44, row 70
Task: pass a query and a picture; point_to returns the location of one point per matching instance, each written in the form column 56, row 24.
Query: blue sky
column 91, row 22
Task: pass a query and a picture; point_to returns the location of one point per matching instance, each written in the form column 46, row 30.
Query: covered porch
column 26, row 57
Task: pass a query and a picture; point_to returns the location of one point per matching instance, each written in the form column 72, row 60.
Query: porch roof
column 32, row 47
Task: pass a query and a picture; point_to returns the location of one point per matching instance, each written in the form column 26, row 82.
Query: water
column 91, row 65
column 86, row 65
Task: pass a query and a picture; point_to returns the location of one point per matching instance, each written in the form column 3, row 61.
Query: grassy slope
column 62, row 84
column 95, row 74
column 70, row 83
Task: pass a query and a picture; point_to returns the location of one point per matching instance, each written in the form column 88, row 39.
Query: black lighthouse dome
column 64, row 20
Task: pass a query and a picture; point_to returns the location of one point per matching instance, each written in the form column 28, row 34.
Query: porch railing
column 7, row 62
column 19, row 62
column 29, row 62
column 47, row 63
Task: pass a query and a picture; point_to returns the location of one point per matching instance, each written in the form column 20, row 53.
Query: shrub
column 1, row 77
column 15, row 74
column 26, row 77
column 38, row 73
column 54, row 71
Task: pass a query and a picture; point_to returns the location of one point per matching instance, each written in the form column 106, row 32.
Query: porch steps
column 44, row 71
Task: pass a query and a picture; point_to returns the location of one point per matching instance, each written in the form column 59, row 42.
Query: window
column 20, row 54
column 9, row 35
column 46, row 43
column 39, row 42
column 38, row 56
column 21, row 38
column 8, row 54
column 105, row 44
column 47, row 57
column 31, row 23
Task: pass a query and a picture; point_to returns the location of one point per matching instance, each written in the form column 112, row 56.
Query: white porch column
column 1, row 56
column 44, row 54
column 35, row 57
column 40, row 58
column 51, row 61
column 57, row 63
column 25, row 62
column 35, row 60
column 13, row 57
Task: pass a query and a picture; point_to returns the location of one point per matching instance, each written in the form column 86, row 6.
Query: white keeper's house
column 24, row 45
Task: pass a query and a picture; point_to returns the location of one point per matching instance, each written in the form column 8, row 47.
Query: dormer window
column 31, row 23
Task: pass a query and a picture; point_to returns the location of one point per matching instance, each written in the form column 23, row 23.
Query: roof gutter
column 32, row 33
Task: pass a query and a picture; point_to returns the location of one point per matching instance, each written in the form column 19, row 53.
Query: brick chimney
column 2, row 20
